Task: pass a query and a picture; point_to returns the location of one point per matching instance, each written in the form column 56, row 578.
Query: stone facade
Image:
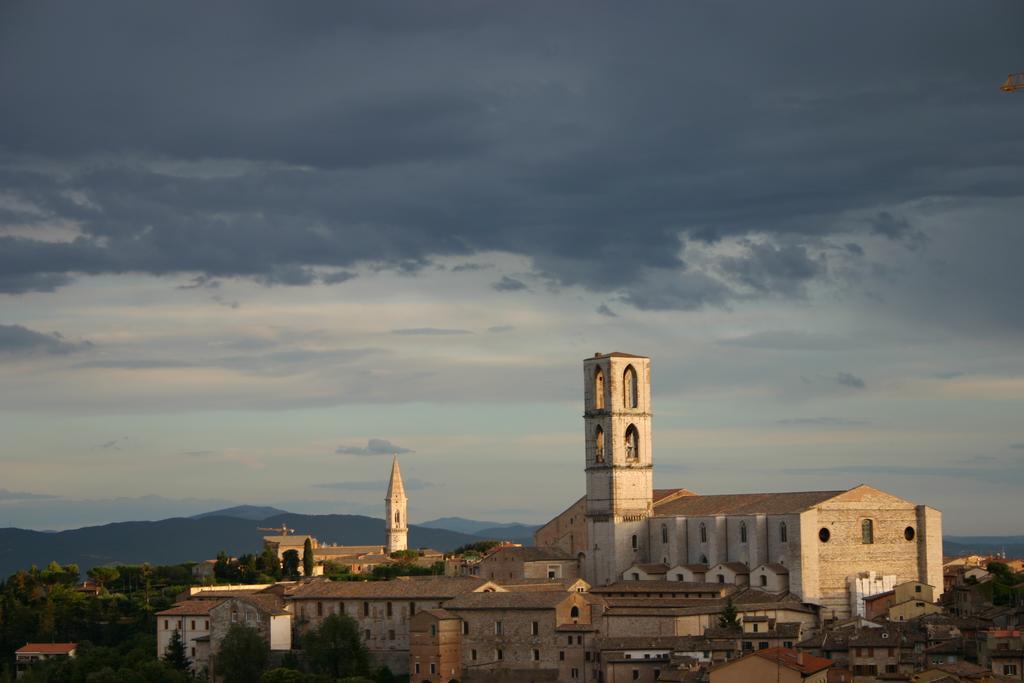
column 435, row 637
column 817, row 544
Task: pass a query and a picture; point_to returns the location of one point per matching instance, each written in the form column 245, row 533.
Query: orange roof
column 792, row 659
column 46, row 649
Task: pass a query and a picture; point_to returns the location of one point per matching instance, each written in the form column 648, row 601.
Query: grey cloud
column 7, row 496
column 822, row 422
column 577, row 158
column 786, row 340
column 17, row 340
column 373, row 447
column 134, row 364
column 198, row 454
column 772, row 268
column 336, row 277
column 1017, row 446
column 508, row 284
column 898, row 229
column 469, row 267
column 411, row 484
column 429, row 332
column 201, row 282
column 499, row 329
column 849, row 380
column 607, row 312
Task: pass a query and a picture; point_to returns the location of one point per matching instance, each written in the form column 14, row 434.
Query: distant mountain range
column 254, row 512
column 180, row 539
column 1013, row 546
column 509, row 531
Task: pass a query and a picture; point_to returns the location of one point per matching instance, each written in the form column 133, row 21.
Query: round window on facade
column 824, row 535
column 909, row 533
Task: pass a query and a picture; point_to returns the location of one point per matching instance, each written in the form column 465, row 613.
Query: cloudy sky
column 249, row 250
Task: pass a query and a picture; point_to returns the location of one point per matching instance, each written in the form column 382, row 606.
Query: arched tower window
column 629, row 387
column 867, row 531
column 664, row 533
column 398, row 518
column 574, row 613
column 599, row 389
column 599, row 444
column 782, row 532
column 703, row 533
column 743, row 532
column 632, row 444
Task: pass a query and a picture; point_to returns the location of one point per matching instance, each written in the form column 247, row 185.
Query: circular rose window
column 908, row 533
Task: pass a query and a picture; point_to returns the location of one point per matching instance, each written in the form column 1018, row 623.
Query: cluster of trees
column 332, row 652
column 478, row 548
column 50, row 605
column 1001, row 589
column 131, row 661
column 249, row 568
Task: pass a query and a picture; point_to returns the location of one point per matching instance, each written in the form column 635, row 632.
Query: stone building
column 383, row 609
column 434, row 647
column 30, row 654
column 824, row 541
column 191, row 620
column 264, row 612
column 517, row 562
column 775, row 664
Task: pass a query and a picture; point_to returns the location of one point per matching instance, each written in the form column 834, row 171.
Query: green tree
column 242, row 656
column 222, row 567
column 283, row 675
column 307, row 558
column 104, row 576
column 176, row 656
column 290, row 564
column 334, row 648
column 269, row 563
column 384, row 675
column 729, row 617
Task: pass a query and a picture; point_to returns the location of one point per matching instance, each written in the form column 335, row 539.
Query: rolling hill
column 175, row 540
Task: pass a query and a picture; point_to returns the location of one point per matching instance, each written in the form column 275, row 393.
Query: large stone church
column 830, row 548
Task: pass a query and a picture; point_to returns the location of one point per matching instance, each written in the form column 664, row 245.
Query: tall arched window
column 599, row 444
column 599, row 389
column 743, row 532
column 629, row 387
column 632, row 444
column 782, row 532
column 574, row 613
column 634, row 542
column 664, row 533
column 703, row 533
column 867, row 531
column 398, row 518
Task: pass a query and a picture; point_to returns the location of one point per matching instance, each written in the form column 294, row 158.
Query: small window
column 388, row 609
column 366, row 609
column 319, row 609
column 598, row 389
column 629, row 387
column 867, row 531
column 632, row 444
column 465, row 628
column 636, row 674
column 416, row 667
column 433, row 668
column 391, row 634
column 498, row 654
column 743, row 532
column 909, row 533
column 782, row 532
column 764, row 579
column 412, row 608
column 534, row 628
column 574, row 613
column 664, row 533
column 536, row 655
column 703, row 535
column 824, row 534
column 633, row 542
column 561, row 655
column 598, row 444
column 472, row 655
column 721, row 578
column 497, row 628
column 433, row 629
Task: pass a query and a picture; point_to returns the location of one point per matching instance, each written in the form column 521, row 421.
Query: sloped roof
column 46, row 648
column 517, row 600
column 743, row 504
column 532, row 554
column 191, row 608
column 797, row 661
column 434, row 587
column 616, row 354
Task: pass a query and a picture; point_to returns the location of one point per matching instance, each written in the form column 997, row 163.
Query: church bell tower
column 395, row 512
column 619, row 463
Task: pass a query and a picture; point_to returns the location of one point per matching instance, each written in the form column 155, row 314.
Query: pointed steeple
column 396, row 526
column 396, row 489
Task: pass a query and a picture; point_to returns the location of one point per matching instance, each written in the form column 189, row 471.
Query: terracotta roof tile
column 191, row 608
column 743, row 504
column 46, row 648
column 435, row 588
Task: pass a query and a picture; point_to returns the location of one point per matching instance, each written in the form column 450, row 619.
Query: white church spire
column 395, row 507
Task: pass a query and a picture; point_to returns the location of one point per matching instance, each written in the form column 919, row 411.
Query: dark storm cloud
column 16, row 340
column 849, row 380
column 595, row 141
column 508, row 284
column 373, row 447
